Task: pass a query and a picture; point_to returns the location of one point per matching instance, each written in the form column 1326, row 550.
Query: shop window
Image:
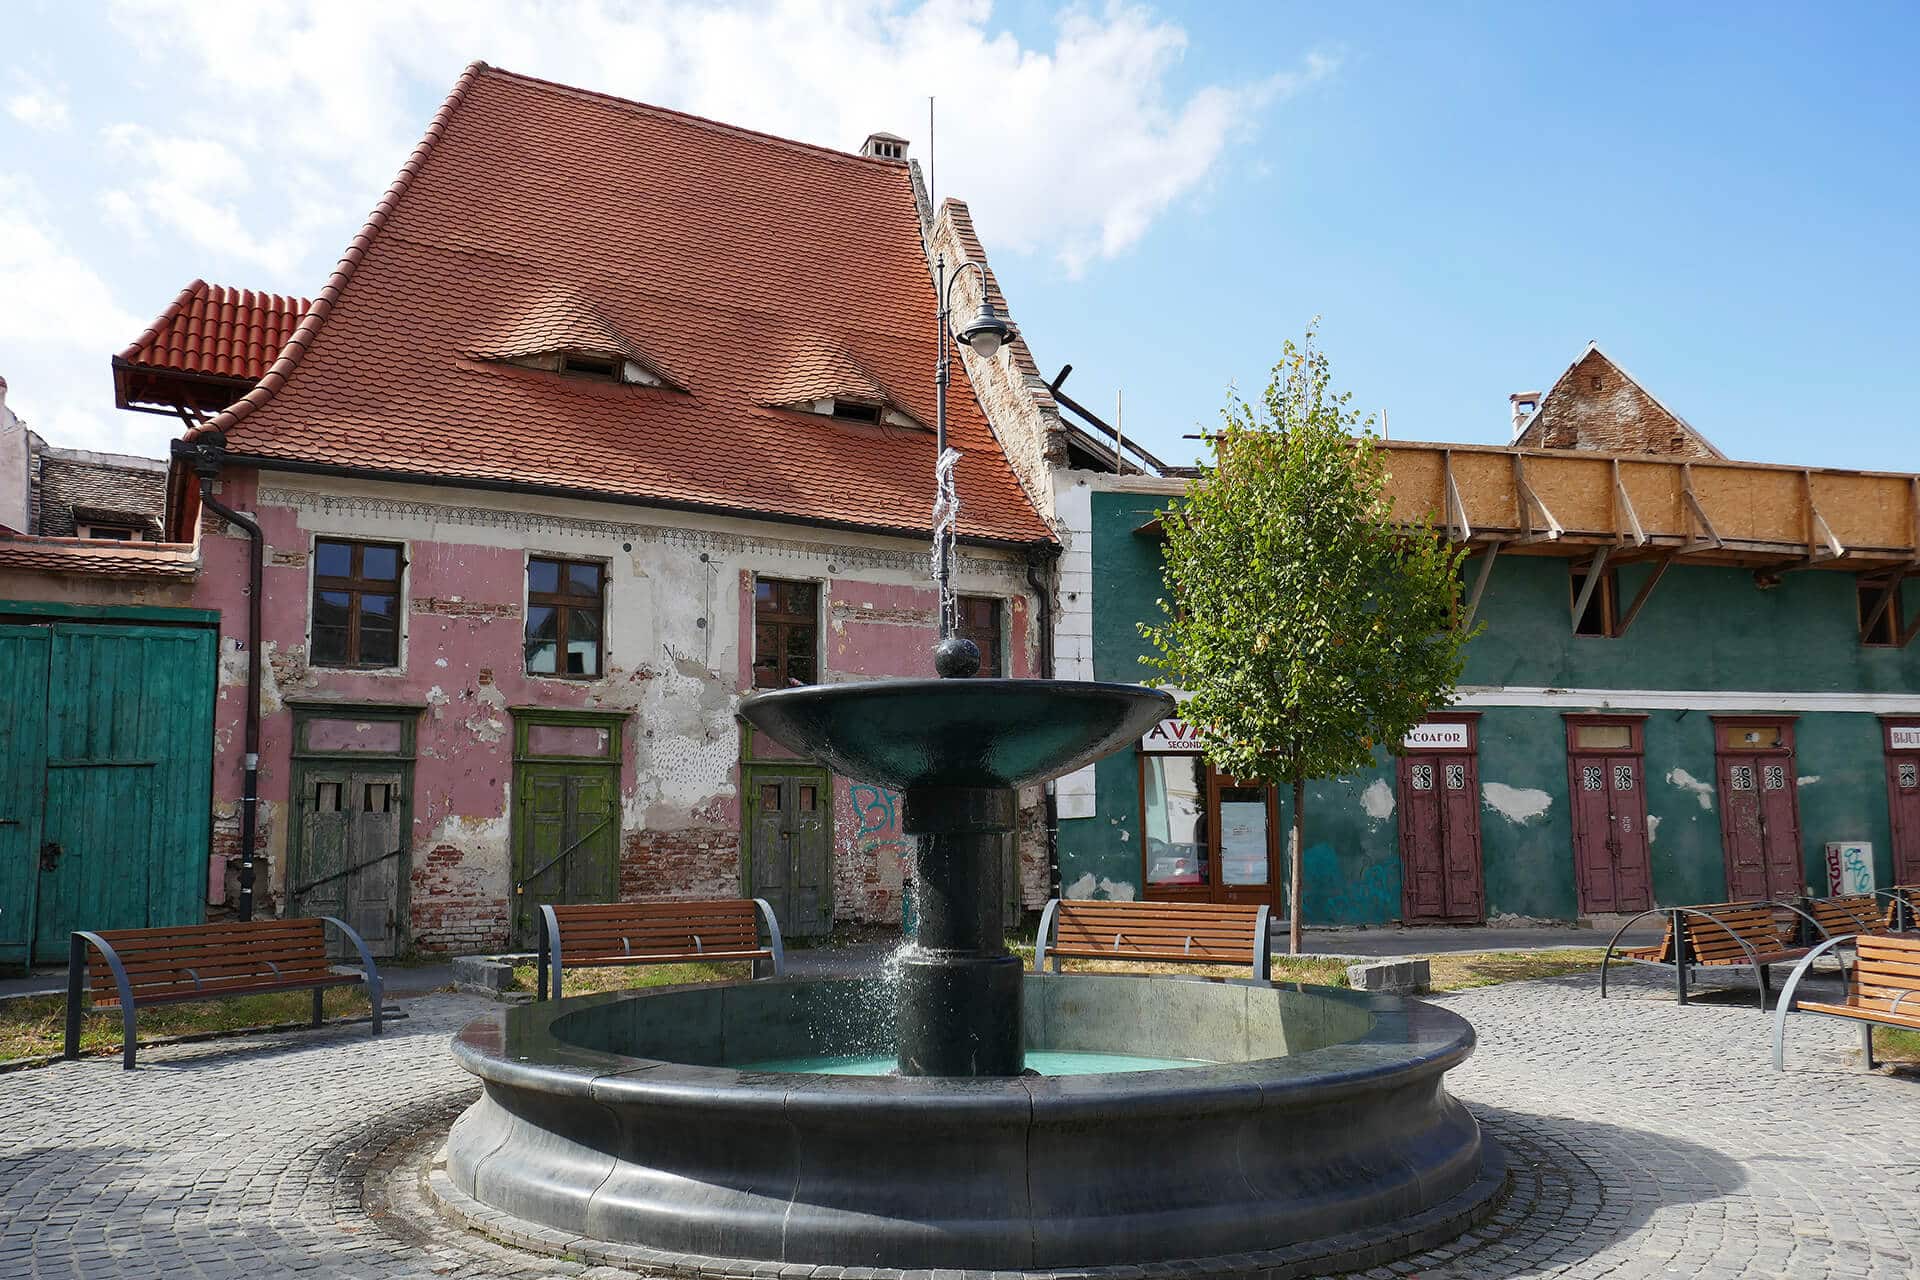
column 1597, row 618
column 980, row 623
column 356, row 604
column 1174, row 812
column 1878, row 626
column 566, row 609
column 786, row 633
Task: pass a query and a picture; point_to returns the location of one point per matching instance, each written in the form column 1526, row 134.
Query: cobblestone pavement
column 1645, row 1140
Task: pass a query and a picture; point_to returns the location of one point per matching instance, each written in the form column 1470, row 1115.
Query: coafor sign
column 1436, row 737
column 1171, row 737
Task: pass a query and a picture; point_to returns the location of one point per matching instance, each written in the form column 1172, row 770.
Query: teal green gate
column 105, row 774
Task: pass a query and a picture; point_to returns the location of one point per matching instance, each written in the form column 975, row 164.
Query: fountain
column 1224, row 1127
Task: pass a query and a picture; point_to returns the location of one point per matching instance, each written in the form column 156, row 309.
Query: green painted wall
column 1703, row 628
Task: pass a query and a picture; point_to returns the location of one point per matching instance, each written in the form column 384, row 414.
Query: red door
column 1903, row 798
column 1605, row 780
column 1609, row 834
column 1440, row 834
column 1759, row 811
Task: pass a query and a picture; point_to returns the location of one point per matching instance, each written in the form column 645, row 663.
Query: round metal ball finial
column 956, row 658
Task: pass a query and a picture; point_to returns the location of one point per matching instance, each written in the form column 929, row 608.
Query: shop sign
column 1437, row 737
column 1904, row 737
column 1172, row 736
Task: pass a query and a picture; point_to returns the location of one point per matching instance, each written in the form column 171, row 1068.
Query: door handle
column 50, row 855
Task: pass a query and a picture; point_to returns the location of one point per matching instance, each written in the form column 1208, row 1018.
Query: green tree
column 1306, row 623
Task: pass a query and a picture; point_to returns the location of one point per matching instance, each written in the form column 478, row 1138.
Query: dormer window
column 593, row 366
column 854, row 411
column 608, row 367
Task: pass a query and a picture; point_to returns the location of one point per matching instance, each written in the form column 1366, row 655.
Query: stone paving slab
column 1645, row 1140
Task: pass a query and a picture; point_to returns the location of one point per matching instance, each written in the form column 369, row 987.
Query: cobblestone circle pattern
column 1642, row 1140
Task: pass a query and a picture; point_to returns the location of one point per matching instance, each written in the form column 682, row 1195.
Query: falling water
column 946, row 515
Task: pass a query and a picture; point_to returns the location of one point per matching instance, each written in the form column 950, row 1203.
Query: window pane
column 542, row 638
column 1175, row 805
column 333, row 559
column 330, row 629
column 583, row 642
column 762, row 593
column 382, row 564
column 379, row 631
column 800, row 597
column 800, row 670
column 1243, row 836
column 543, row 576
column 799, row 642
column 1603, row 736
column 583, row 579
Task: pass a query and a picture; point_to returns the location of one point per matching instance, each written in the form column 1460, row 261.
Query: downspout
column 1039, row 556
column 206, row 455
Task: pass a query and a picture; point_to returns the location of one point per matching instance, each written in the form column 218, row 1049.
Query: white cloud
column 52, row 296
column 37, row 106
column 1072, row 151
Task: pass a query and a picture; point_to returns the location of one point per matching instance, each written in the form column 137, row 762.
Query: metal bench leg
column 76, row 964
column 1680, row 980
column 1866, row 1046
column 318, row 1011
column 1766, row 987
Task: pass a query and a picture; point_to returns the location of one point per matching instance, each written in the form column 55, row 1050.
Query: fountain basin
column 1322, row 1121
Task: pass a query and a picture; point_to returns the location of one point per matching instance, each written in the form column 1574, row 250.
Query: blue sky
column 1722, row 196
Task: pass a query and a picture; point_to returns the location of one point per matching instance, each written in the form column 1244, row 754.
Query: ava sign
column 1172, row 737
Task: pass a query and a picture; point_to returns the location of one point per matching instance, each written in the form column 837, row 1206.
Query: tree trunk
column 1295, row 838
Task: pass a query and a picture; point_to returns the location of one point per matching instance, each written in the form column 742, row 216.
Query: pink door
column 1759, row 809
column 1903, row 798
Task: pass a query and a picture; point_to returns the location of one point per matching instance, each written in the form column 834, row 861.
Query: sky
column 1724, row 197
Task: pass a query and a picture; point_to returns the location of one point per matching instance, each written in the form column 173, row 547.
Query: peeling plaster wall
column 677, row 658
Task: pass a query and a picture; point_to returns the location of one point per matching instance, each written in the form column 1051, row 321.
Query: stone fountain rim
column 1436, row 1041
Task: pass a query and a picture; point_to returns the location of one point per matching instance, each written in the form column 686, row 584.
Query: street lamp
column 986, row 334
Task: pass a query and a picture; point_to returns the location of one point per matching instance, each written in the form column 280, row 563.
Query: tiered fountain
column 1227, row 1127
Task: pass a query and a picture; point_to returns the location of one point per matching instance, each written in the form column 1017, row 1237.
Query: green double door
column 106, row 759
column 566, row 820
column 789, row 843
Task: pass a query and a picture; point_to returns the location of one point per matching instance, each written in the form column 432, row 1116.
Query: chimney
column 884, row 146
column 1521, row 404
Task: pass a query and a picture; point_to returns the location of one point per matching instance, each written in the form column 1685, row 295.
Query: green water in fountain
column 1048, row 1062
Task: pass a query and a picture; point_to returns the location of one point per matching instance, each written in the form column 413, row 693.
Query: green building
column 1695, row 684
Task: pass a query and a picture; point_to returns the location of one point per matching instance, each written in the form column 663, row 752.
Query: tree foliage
column 1305, row 623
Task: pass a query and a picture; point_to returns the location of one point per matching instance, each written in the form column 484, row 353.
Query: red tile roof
column 746, row 267
column 87, row 557
column 211, row 329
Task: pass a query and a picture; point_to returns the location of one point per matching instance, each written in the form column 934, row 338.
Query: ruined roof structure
column 1597, row 406
column 690, row 274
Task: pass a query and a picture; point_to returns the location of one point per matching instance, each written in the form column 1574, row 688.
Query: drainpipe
column 206, row 455
column 1039, row 556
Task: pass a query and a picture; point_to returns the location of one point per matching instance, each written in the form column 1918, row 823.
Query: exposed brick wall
column 1595, row 406
column 454, row 607
column 697, row 862
column 452, row 907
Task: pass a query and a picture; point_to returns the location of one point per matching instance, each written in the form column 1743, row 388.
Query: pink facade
column 678, row 653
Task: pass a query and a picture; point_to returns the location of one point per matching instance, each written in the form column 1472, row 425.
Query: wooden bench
column 1155, row 933
column 1883, row 989
column 1724, row 935
column 1849, row 914
column 205, row 962
column 674, row 932
column 1903, row 908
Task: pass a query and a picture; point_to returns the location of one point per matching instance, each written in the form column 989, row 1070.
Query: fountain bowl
column 633, row 1128
column 912, row 734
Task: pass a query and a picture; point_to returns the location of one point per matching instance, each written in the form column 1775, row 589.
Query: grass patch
column 1462, row 972
column 586, row 981
column 35, row 1026
column 1896, row 1044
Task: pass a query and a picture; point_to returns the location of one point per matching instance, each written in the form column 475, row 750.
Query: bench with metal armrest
column 587, row 935
column 1721, row 935
column 1883, row 989
column 143, row 967
column 1155, row 933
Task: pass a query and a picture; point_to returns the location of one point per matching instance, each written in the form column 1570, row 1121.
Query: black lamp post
column 986, row 334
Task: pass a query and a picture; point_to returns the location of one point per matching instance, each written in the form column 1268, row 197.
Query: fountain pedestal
column 959, row 1005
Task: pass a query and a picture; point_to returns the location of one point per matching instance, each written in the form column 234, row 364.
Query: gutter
column 1040, row 556
column 207, row 454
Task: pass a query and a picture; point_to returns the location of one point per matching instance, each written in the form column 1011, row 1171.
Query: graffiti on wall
column 877, row 834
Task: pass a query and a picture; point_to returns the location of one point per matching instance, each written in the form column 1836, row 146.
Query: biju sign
column 1437, row 737
column 1903, row 737
column 1172, row 736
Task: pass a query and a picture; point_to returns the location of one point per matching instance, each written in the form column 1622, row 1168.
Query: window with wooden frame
column 566, row 612
column 786, row 633
column 111, row 532
column 980, row 622
column 1598, row 618
column 356, row 604
column 1879, row 609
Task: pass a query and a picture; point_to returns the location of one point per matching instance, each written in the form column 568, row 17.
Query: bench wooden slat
column 1153, row 932
column 186, row 995
column 662, row 932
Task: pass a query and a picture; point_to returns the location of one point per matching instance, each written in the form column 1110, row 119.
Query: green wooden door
column 23, row 757
column 566, row 815
column 351, row 855
column 127, row 809
column 789, row 843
